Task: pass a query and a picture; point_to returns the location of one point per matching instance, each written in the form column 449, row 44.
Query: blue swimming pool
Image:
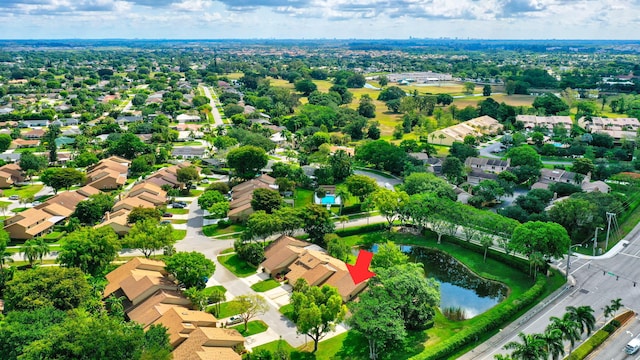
column 328, row 200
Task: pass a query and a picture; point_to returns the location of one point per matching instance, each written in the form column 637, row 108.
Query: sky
column 319, row 19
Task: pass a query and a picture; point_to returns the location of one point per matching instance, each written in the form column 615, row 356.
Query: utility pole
column 595, row 241
column 609, row 217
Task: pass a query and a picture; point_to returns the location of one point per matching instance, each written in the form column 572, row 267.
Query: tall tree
column 191, row 269
column 188, row 175
column 49, row 139
column 389, row 203
column 583, row 315
column 317, row 222
column 31, row 163
column 378, row 320
column 59, row 178
column 266, row 199
column 148, row 236
column 90, row 249
column 317, row 311
column 93, row 209
column 549, row 239
column 361, row 186
column 247, row 161
column 530, row 348
column 340, row 163
column 248, row 307
column 62, row 288
column 568, row 327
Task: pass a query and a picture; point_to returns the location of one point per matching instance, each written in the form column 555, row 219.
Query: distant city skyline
column 316, row 19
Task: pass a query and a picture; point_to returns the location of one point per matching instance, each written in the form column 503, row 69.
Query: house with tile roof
column 152, row 298
column 484, row 125
column 302, row 260
column 242, row 194
column 108, row 174
column 40, row 219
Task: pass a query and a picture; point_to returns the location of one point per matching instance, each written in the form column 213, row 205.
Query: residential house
column 151, row 297
column 618, row 128
column 242, row 194
column 182, row 118
column 34, row 134
column 484, row 125
column 137, row 280
column 420, row 156
column 545, row 122
column 36, row 123
column 484, row 169
column 16, row 175
column 22, row 143
column 169, row 175
column 118, row 221
column 149, row 192
column 301, row 260
column 108, row 174
column 40, row 219
column 188, row 152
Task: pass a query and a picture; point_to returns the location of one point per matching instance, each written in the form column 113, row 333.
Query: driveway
column 382, row 181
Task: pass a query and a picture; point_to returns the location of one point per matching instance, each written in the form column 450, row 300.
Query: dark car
column 178, row 206
column 167, row 215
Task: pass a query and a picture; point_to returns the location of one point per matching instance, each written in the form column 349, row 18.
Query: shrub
column 588, row 346
column 351, row 209
column 361, row 229
column 224, row 224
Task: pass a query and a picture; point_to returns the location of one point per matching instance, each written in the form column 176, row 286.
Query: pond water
column 459, row 287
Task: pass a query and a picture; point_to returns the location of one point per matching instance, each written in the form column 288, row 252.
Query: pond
column 459, row 287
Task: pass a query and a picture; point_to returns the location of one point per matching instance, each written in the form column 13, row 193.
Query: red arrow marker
column 360, row 271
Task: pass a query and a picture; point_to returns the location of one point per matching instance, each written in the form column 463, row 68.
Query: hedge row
column 588, row 346
column 487, row 323
column 509, row 260
column 356, row 230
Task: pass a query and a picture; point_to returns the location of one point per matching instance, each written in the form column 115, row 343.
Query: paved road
column 598, row 280
column 217, row 118
column 613, row 348
column 487, row 151
column 381, row 180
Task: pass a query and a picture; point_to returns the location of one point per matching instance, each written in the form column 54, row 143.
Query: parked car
column 163, row 222
column 234, row 320
column 193, row 187
column 167, row 215
column 205, row 181
column 14, row 197
column 178, row 206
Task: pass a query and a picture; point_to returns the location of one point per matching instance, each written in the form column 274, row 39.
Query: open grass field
column 303, row 197
column 238, row 267
column 265, row 285
column 23, row 191
column 253, row 327
column 213, row 230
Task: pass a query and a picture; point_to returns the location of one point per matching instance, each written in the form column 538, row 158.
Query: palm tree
column 486, row 241
column 552, row 339
column 568, row 327
column 42, row 248
column 343, row 194
column 343, row 219
column 531, row 348
column 29, row 251
column 583, row 315
column 608, row 311
column 537, row 259
column 616, row 304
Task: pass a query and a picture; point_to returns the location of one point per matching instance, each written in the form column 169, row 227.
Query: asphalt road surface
column 613, row 348
column 597, row 281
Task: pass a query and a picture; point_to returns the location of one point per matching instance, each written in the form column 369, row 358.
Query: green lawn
column 287, row 310
column 238, row 267
column 179, row 234
column 23, row 191
column 211, row 289
column 265, row 285
column 54, row 236
column 177, row 211
column 226, row 310
column 275, row 345
column 229, row 250
column 253, row 327
column 187, row 143
column 5, row 203
column 213, row 230
column 19, row 209
column 303, row 197
column 179, row 221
